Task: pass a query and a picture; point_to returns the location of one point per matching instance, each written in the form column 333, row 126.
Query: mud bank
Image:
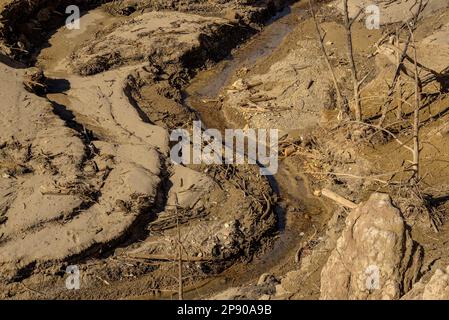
column 24, row 25
column 104, row 195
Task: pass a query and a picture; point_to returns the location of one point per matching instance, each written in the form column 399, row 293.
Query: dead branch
column 399, row 92
column 169, row 258
column 180, row 280
column 411, row 23
column 335, row 197
column 352, row 176
column 416, row 120
column 341, row 100
column 387, row 132
column 355, row 78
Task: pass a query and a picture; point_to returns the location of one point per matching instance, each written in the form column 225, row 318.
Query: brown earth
column 289, row 90
column 89, row 182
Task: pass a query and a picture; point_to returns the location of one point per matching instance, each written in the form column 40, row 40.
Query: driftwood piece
column 335, row 197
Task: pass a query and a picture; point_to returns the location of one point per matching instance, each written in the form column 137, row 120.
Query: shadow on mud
column 57, row 85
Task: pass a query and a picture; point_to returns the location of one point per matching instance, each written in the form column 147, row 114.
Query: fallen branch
column 335, row 197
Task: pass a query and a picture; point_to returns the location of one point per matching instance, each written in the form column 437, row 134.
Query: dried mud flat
column 86, row 177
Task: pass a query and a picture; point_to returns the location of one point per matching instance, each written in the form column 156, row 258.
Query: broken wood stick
column 335, row 197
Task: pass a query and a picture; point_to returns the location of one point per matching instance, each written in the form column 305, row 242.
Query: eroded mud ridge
column 86, row 177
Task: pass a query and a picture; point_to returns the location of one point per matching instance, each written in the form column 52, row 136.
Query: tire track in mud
column 128, row 138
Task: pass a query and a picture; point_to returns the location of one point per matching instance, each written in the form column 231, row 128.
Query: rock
column 250, row 292
column 267, row 278
column 437, row 288
column 281, row 291
column 375, row 257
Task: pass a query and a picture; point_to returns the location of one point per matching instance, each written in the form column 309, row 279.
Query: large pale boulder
column 437, row 288
column 375, row 257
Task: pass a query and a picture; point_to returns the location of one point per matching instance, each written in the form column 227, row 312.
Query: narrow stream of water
column 202, row 96
column 204, row 89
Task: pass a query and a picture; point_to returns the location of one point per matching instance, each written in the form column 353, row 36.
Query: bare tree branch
column 355, row 79
column 341, row 101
